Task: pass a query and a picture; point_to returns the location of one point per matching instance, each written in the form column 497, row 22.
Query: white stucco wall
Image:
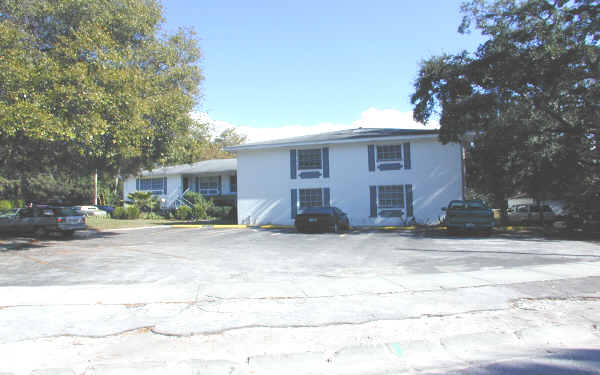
column 174, row 184
column 264, row 182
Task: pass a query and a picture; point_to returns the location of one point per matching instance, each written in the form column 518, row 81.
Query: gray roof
column 202, row 167
column 340, row 136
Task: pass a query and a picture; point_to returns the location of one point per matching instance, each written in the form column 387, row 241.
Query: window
column 233, row 184
column 208, row 185
column 391, row 196
column 153, row 185
column 311, row 198
column 389, row 152
column 309, row 159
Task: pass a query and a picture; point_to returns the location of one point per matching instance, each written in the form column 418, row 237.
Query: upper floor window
column 309, row 159
column 208, row 185
column 310, row 198
column 389, row 152
column 153, row 185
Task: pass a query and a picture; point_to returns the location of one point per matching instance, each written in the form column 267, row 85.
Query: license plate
column 312, row 219
column 73, row 220
column 470, row 225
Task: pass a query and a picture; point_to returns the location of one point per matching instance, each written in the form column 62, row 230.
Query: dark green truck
column 468, row 215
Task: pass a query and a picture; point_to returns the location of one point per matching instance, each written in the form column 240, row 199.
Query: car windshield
column 318, row 210
column 456, row 205
column 65, row 211
column 475, row 204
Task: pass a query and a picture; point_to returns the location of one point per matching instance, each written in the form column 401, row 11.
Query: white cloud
column 371, row 118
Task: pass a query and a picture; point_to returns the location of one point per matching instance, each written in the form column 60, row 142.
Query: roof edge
column 261, row 146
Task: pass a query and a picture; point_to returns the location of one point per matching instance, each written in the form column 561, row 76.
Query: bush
column 119, row 213
column 6, row 205
column 193, row 197
column 183, row 213
column 199, row 211
column 131, row 212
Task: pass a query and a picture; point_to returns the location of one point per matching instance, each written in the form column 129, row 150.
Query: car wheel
column 451, row 231
column 68, row 233
column 40, row 232
column 299, row 229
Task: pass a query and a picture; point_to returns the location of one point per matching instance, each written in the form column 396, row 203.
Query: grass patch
column 105, row 222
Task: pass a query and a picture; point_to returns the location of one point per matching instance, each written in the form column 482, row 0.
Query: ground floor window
column 208, row 185
column 154, row 185
column 233, row 184
column 391, row 200
column 310, row 198
column 390, row 196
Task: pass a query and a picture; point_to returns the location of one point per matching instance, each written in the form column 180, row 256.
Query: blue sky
column 312, row 65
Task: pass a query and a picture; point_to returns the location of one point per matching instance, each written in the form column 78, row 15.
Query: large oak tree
column 90, row 85
column 529, row 96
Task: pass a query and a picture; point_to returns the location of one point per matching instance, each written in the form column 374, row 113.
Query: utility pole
column 95, row 187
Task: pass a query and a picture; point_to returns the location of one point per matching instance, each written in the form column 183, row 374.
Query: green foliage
column 129, row 212
column 199, row 212
column 90, row 84
column 145, row 201
column 528, row 94
column 6, row 205
column 183, row 213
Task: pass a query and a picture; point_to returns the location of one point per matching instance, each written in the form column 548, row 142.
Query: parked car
column 468, row 215
column 322, row 219
column 41, row 220
column 89, row 210
column 108, row 209
column 526, row 214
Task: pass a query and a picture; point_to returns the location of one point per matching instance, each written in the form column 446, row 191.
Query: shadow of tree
column 561, row 362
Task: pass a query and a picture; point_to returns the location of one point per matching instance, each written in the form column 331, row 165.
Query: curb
column 214, row 226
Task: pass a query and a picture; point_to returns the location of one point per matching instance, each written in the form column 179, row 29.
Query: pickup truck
column 468, row 215
column 41, row 220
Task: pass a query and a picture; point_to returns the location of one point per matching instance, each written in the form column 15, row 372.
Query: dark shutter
column 373, row 194
column 326, row 198
column 219, row 186
column 294, row 197
column 409, row 201
column 293, row 164
column 137, row 184
column 371, row 150
column 165, row 185
column 326, row 162
column 406, row 148
column 197, row 183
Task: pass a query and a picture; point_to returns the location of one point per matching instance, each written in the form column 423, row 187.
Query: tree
column 528, row 96
column 92, row 85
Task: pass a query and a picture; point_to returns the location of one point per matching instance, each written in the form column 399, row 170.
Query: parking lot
column 251, row 296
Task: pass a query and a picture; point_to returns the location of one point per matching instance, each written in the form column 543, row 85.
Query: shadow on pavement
column 570, row 362
column 12, row 242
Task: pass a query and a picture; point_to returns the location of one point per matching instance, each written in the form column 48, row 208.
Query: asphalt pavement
column 260, row 301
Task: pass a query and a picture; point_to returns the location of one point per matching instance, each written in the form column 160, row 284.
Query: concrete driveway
column 166, row 300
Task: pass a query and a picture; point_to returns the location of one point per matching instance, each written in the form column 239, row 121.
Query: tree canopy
column 529, row 96
column 92, row 84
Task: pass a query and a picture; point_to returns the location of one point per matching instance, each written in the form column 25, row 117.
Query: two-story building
column 377, row 176
column 212, row 178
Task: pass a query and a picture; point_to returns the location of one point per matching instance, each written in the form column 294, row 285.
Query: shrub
column 119, row 213
column 193, row 197
column 199, row 211
column 131, row 212
column 5, row 205
column 183, row 213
